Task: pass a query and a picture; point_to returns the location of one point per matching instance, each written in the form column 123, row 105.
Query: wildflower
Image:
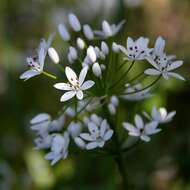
column 104, row 48
column 91, row 54
column 59, row 148
column 140, row 129
column 80, row 43
column 109, row 30
column 74, row 22
column 99, row 133
column 160, row 115
column 64, row 32
column 36, row 65
column 115, row 47
column 76, row 85
column 53, row 55
column 96, row 69
column 114, row 101
column 135, row 50
column 74, row 129
column 43, row 142
column 88, row 32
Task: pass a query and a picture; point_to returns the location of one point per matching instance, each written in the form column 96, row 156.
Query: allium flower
column 109, row 30
column 36, row 65
column 160, row 115
column 76, row 86
column 135, row 50
column 99, row 133
column 59, row 148
column 163, row 64
column 140, row 129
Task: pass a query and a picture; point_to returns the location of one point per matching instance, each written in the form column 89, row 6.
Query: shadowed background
column 162, row 164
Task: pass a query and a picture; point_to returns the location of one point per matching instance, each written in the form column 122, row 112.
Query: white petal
column 91, row 54
column 96, row 69
column 175, row 65
column 92, row 127
column 130, row 42
column 103, row 127
column 63, row 86
column 79, row 94
column 159, row 46
column 88, row 84
column 74, row 22
column 152, row 72
column 29, row 74
column 71, row 76
column 139, row 122
column 40, row 118
column 108, row 135
column 68, row 95
column 106, row 29
column 91, row 145
column 112, row 109
column 131, row 128
column 104, row 48
column 82, row 75
column 176, row 75
column 80, row 43
column 86, row 136
column 145, row 138
column 80, row 143
column 53, row 55
column 64, row 32
column 95, row 119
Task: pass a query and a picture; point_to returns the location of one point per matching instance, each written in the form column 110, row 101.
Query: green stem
column 49, row 75
column 150, row 85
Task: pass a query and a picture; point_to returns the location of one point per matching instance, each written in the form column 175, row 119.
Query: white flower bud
column 80, row 43
column 114, row 100
column 64, row 32
column 91, row 54
column 104, row 48
column 74, row 129
column 111, row 109
column 80, row 143
column 106, row 28
column 115, row 47
column 96, row 69
column 73, row 53
column 53, row 55
column 74, row 22
column 88, row 32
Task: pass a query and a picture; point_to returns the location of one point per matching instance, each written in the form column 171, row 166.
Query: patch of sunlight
column 65, row 169
column 39, row 169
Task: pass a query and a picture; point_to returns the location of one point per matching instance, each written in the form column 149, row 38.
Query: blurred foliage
column 162, row 164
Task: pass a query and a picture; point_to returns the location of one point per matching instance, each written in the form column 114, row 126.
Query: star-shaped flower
column 135, row 50
column 36, row 64
column 75, row 86
column 141, row 129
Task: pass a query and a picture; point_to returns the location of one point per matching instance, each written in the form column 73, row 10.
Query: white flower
column 109, row 30
column 76, row 86
column 136, row 93
column 96, row 69
column 104, row 48
column 135, row 50
column 99, row 133
column 140, row 129
column 59, row 148
column 74, row 22
column 53, row 55
column 114, row 101
column 160, row 115
column 91, row 54
column 64, row 32
column 88, row 32
column 36, row 64
column 80, row 43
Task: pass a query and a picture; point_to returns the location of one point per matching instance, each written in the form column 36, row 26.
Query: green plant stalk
column 49, row 75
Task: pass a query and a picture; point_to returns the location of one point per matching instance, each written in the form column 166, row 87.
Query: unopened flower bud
column 91, row 54
column 73, row 53
column 111, row 109
column 64, row 32
column 53, row 55
column 114, row 100
column 104, row 48
column 96, row 69
column 74, row 22
column 115, row 47
column 80, row 43
column 88, row 32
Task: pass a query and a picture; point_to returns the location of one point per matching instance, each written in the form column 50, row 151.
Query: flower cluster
column 96, row 80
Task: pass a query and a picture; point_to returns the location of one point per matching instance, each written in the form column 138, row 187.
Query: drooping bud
column 96, row 69
column 88, row 32
column 64, row 32
column 53, row 55
column 104, row 48
column 106, row 28
column 91, row 54
column 74, row 22
column 80, row 43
